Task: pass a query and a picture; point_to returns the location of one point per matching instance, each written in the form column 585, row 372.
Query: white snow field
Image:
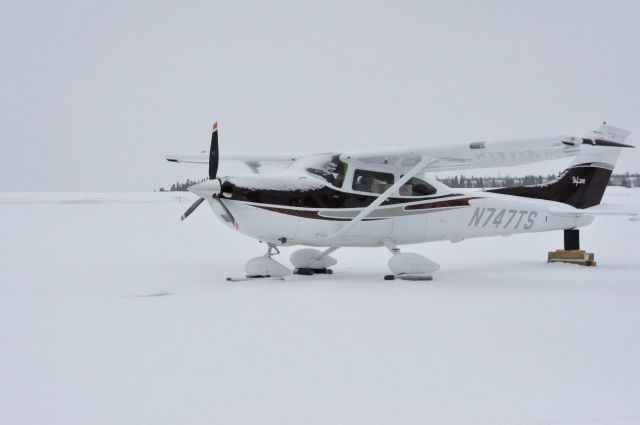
column 112, row 311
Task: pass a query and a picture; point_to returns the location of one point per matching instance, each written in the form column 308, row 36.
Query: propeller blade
column 191, row 209
column 213, row 153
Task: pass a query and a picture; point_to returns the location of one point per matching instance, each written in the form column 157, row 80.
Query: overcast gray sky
column 94, row 94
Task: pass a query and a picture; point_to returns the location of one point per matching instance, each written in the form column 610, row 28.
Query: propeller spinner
column 211, row 187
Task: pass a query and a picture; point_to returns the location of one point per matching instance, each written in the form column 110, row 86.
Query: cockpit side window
column 417, row 187
column 371, row 181
column 333, row 171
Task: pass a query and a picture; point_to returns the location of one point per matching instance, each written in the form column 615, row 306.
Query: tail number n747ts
column 483, row 217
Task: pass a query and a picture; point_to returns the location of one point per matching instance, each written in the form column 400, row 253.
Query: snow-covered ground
column 113, row 311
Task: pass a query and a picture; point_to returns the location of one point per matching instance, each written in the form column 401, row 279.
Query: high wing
column 253, row 160
column 489, row 154
column 441, row 157
column 446, row 156
column 466, row 155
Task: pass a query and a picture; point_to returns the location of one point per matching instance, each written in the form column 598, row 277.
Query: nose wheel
column 264, row 267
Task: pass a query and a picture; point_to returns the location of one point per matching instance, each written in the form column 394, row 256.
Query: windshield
column 328, row 167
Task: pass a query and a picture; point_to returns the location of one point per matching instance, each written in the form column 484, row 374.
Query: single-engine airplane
column 390, row 197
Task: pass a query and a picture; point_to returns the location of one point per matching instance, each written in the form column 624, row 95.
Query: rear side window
column 417, row 187
column 371, row 181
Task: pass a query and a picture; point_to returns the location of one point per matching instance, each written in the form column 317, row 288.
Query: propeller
column 213, row 153
column 210, row 187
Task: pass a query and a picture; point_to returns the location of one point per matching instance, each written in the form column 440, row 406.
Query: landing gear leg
column 309, row 261
column 409, row 265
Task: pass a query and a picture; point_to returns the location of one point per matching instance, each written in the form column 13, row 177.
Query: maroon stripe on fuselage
column 441, row 204
column 316, row 214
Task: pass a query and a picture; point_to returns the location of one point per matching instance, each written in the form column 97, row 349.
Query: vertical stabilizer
column 582, row 185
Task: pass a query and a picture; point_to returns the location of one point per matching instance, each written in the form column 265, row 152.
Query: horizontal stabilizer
column 633, row 212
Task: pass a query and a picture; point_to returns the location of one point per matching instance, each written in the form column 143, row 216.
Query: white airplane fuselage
column 384, row 197
column 449, row 214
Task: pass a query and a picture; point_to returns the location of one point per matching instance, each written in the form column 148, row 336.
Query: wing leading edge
column 203, row 157
column 489, row 154
column 253, row 160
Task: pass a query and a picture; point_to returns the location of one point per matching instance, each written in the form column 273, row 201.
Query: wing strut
column 380, row 199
